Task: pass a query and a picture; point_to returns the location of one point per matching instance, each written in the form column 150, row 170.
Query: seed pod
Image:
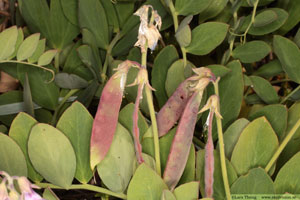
column 182, row 141
column 173, row 108
column 106, row 119
column 209, row 158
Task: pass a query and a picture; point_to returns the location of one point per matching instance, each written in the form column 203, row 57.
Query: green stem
column 70, row 93
column 290, row 94
column 280, row 81
column 108, row 54
column 34, row 65
column 175, row 21
column 198, row 142
column 56, row 62
column 152, row 116
column 252, row 20
column 85, row 187
column 221, row 148
column 282, row 145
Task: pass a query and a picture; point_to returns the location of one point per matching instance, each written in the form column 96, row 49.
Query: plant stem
column 280, row 81
column 108, row 54
column 221, row 148
column 152, row 116
column 63, row 101
column 85, row 187
column 175, row 21
column 252, row 20
column 34, row 65
column 282, row 145
column 198, row 142
column 290, row 94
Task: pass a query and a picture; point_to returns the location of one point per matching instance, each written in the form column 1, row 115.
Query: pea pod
column 182, row 141
column 106, row 119
column 173, row 108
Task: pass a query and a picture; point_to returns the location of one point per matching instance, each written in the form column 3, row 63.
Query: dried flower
column 212, row 105
column 148, row 30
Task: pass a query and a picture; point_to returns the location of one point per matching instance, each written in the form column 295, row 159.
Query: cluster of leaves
column 253, row 45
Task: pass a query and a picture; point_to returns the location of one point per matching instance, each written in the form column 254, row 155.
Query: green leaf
column 264, row 18
column 288, row 54
column 70, row 81
column 8, row 107
column 28, row 47
column 297, row 38
column 256, row 181
column 145, row 184
column 47, row 57
column 191, row 7
column 52, row 155
column 177, row 73
column 264, row 90
column 272, row 68
column 12, row 158
column 19, row 131
column 252, row 51
column 214, row 8
column 219, row 191
column 18, row 43
column 38, row 52
column 125, row 118
column 92, row 16
column 70, row 9
column 121, row 156
column 187, row 191
column 266, row 21
column 218, row 70
column 288, row 180
column 277, row 116
column 76, row 123
column 184, row 33
column 259, row 141
column 111, row 14
column 162, row 63
column 232, row 135
column 206, row 37
column 8, row 39
column 48, row 98
column 292, row 146
column 167, row 195
column 27, row 97
column 293, row 8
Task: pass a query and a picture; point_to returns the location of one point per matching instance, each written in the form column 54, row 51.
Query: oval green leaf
column 187, row 191
column 38, row 52
column 19, row 131
column 288, row 179
column 264, row 90
column 8, row 39
column 288, row 54
column 256, row 181
column 12, row 158
column 264, row 18
column 162, row 63
column 259, row 142
column 272, row 68
column 206, row 37
column 167, row 195
column 70, row 81
column 277, row 116
column 28, row 47
column 76, row 123
column 145, row 184
column 52, row 155
column 47, row 57
column 116, row 169
column 252, row 51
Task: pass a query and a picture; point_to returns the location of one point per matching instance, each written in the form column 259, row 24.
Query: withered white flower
column 148, row 30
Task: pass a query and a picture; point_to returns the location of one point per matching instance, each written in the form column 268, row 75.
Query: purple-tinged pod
column 209, row 159
column 170, row 113
column 182, row 141
column 136, row 130
column 106, row 119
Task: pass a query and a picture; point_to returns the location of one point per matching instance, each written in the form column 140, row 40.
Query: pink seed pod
column 105, row 122
column 182, row 141
column 170, row 113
